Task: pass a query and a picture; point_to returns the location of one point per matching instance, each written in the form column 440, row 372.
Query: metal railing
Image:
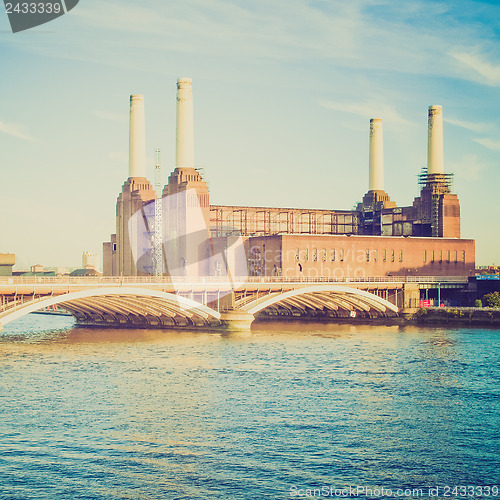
column 128, row 280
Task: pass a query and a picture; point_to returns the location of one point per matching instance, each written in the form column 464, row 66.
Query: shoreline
column 481, row 317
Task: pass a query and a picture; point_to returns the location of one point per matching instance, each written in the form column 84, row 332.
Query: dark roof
column 85, row 272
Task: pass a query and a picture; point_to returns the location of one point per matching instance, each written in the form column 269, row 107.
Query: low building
column 90, row 260
column 7, row 261
column 295, row 255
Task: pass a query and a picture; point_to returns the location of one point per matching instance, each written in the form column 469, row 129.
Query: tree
column 478, row 303
column 492, row 299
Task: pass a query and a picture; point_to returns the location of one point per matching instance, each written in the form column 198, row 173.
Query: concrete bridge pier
column 411, row 297
column 236, row 320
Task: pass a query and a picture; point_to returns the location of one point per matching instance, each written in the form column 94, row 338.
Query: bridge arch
column 321, row 297
column 123, row 306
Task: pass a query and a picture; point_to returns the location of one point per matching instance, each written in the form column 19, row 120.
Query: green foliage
column 492, row 299
column 478, row 303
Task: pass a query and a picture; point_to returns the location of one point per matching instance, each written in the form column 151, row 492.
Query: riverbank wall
column 486, row 316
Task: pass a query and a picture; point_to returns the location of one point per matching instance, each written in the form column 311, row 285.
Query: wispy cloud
column 15, row 130
column 367, row 109
column 492, row 144
column 473, row 127
column 469, row 168
column 370, row 35
column 115, row 117
column 284, row 29
column 122, row 17
column 486, row 72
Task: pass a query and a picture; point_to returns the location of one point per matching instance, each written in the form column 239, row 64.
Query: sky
column 283, row 94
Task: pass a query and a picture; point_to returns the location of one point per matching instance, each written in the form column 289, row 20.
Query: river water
column 291, row 410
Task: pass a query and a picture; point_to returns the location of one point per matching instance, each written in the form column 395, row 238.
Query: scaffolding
column 443, row 180
column 158, row 234
column 265, row 221
column 436, row 186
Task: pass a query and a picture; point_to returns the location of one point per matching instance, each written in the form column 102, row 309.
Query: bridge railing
column 19, row 302
column 128, row 280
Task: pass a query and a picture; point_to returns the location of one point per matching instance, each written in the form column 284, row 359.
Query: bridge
column 213, row 302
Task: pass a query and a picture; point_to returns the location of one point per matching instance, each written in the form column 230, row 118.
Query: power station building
column 378, row 238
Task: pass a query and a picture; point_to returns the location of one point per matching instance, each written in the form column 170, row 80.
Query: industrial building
column 90, row 260
column 378, row 238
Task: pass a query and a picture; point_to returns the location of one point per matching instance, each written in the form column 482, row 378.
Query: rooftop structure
column 7, row 261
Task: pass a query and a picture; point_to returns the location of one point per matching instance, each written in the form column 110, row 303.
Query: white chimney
column 185, row 134
column 435, row 157
column 376, row 182
column 137, row 144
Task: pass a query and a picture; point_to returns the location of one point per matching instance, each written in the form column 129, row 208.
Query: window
column 425, row 255
column 448, row 256
column 401, row 256
column 432, row 258
column 315, row 254
column 384, row 255
column 440, row 256
column 332, row 256
column 296, row 254
column 341, row 255
column 323, row 255
column 114, row 247
column 306, row 254
column 456, row 256
column 463, row 255
column 368, row 255
column 375, row 255
column 392, row 255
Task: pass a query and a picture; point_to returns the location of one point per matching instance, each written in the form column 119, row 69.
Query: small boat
column 53, row 310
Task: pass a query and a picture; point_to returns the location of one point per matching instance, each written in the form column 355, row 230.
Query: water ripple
column 89, row 414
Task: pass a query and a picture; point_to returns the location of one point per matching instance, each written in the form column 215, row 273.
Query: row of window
column 343, row 255
column 440, row 256
column 368, row 255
